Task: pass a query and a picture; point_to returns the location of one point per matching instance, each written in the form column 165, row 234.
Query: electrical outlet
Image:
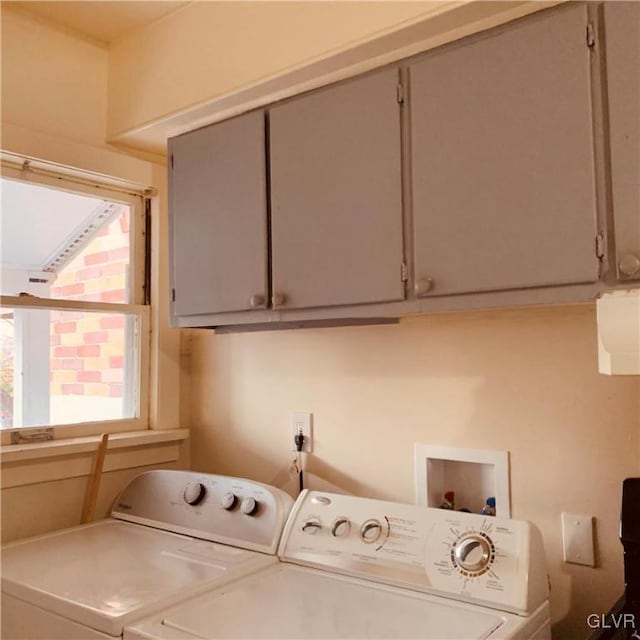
column 301, row 423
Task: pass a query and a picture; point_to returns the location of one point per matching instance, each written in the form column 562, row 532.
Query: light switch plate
column 577, row 539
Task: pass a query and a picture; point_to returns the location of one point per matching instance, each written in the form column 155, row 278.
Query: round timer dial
column 473, row 553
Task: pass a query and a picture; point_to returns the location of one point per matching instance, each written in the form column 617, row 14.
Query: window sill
column 73, row 457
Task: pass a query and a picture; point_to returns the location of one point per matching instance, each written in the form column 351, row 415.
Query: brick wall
column 87, row 349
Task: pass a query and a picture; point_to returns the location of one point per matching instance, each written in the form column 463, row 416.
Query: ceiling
column 43, row 228
column 100, row 20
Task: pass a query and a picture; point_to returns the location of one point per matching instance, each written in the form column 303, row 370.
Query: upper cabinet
column 336, row 195
column 218, row 218
column 622, row 31
column 501, row 169
column 502, row 159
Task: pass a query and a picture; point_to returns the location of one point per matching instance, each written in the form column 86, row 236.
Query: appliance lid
column 106, row 574
column 619, row 332
column 293, row 602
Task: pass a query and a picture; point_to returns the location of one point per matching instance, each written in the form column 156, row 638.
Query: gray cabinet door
column 218, row 217
column 622, row 29
column 502, row 156
column 336, row 195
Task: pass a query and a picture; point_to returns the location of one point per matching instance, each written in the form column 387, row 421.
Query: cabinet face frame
column 453, row 250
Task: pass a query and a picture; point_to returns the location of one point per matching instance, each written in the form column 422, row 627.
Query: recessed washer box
column 473, row 474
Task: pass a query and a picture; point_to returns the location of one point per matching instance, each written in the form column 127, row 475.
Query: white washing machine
column 360, row 568
column 171, row 535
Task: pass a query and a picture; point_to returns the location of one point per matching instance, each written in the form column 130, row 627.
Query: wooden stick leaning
column 89, row 509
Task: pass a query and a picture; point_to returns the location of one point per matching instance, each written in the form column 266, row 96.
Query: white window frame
column 113, row 191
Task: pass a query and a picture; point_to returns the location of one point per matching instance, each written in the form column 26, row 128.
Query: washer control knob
column 311, row 526
column 472, row 553
column 249, row 506
column 228, row 500
column 370, row 531
column 194, row 492
column 340, row 527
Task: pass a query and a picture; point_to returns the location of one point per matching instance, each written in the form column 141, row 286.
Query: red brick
column 68, row 316
column 115, row 390
column 55, row 340
column 64, row 327
column 90, row 273
column 56, row 363
column 104, row 231
column 122, row 253
column 73, row 289
column 89, row 376
column 96, row 258
column 65, row 352
column 96, row 337
column 124, row 222
column 71, row 363
column 89, row 350
column 112, row 322
column 115, row 295
column 72, row 389
column 116, row 362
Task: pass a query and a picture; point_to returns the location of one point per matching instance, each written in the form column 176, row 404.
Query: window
column 74, row 329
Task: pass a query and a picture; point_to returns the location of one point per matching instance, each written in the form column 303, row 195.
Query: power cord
column 298, row 440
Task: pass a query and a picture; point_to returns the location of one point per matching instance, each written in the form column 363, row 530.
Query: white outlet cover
column 302, row 420
column 577, row 539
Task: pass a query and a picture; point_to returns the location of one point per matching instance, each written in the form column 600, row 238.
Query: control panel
column 229, row 510
column 480, row 559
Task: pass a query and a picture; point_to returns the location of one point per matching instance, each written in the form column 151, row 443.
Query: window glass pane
column 67, row 367
column 57, row 244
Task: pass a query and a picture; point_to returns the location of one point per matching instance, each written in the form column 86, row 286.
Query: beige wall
column 525, row 381
column 34, row 509
column 52, row 82
column 54, row 102
column 208, row 49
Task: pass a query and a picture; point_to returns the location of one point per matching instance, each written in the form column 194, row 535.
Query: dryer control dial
column 311, row 526
column 340, row 527
column 370, row 531
column 194, row 492
column 473, row 553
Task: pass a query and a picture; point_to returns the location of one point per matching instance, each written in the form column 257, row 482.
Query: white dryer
column 171, row 536
column 361, row 568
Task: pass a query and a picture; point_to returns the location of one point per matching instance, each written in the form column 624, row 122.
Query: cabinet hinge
column 400, row 93
column 404, row 272
column 173, row 295
column 591, row 36
column 600, row 246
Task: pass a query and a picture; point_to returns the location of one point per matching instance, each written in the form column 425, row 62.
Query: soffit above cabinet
column 141, row 117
